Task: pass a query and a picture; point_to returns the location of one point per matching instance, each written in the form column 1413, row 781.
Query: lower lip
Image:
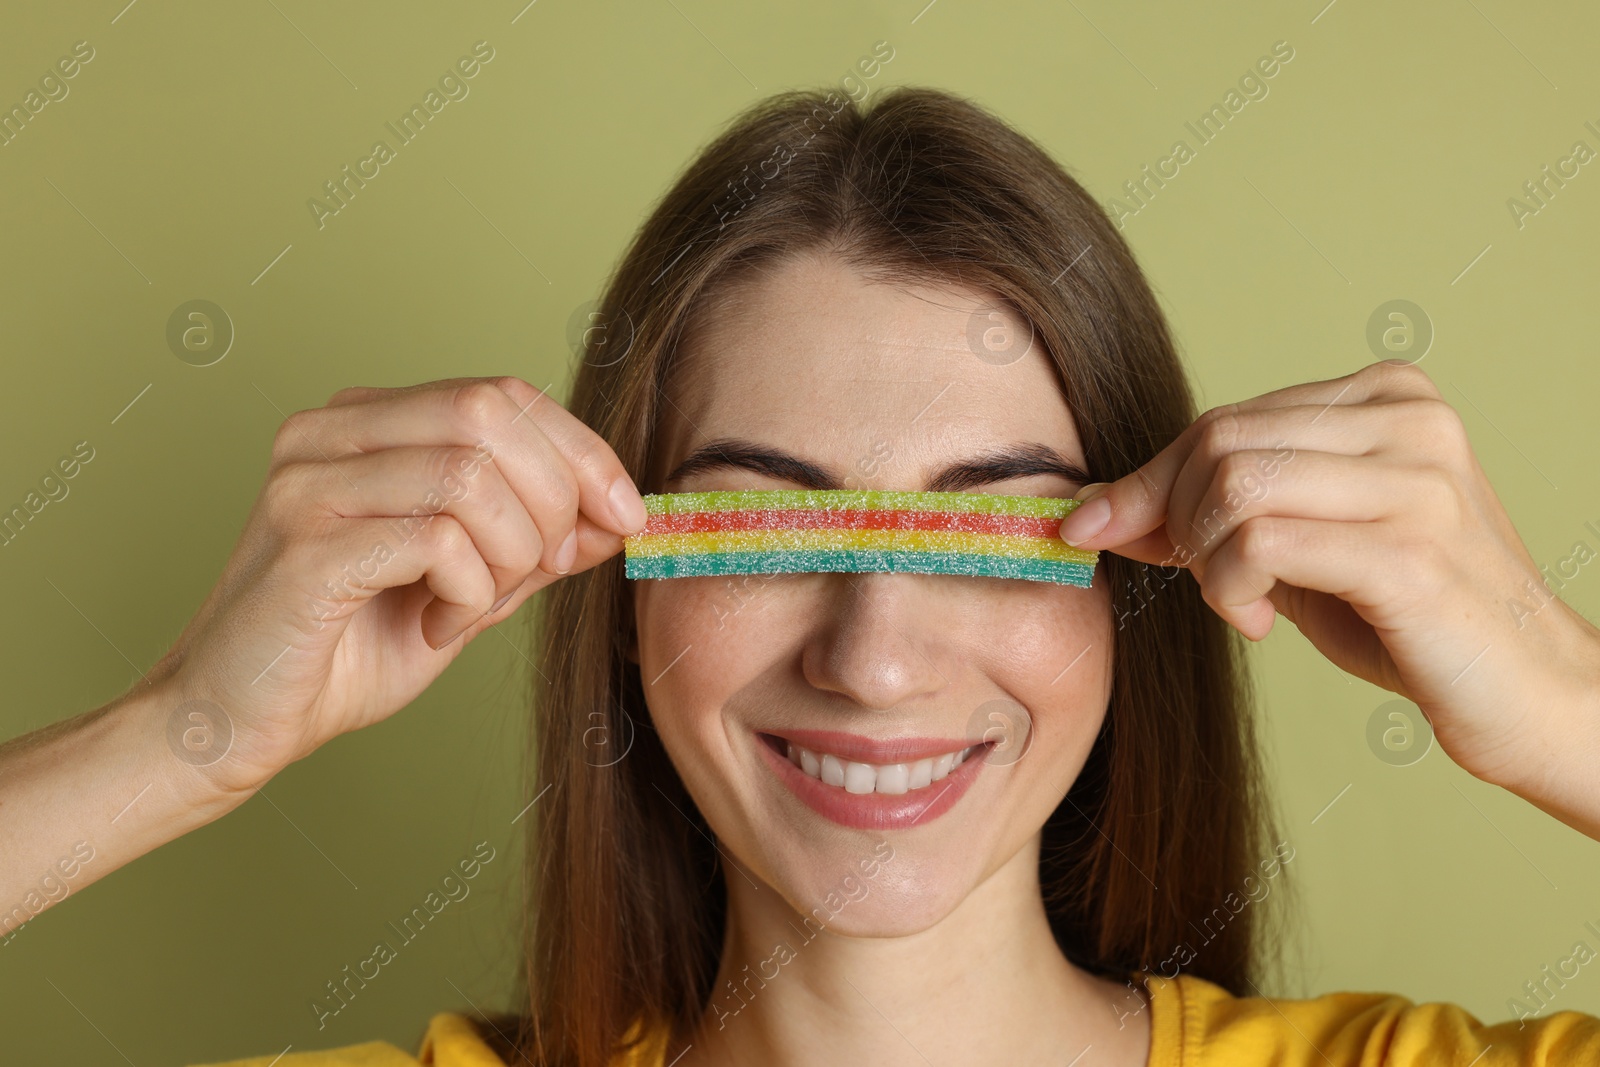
column 877, row 811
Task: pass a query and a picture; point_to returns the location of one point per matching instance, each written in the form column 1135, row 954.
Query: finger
column 1402, row 434
column 1310, row 485
column 1317, row 415
column 1354, row 561
column 1387, row 379
column 1153, row 547
column 459, row 411
column 603, row 481
column 595, row 545
column 413, row 483
column 355, row 394
column 343, row 568
column 477, row 413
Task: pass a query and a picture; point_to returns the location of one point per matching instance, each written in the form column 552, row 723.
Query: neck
column 986, row 984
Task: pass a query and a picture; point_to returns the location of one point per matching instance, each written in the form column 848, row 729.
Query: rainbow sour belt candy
column 786, row 531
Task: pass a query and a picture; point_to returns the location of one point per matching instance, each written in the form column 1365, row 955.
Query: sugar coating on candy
column 720, row 563
column 792, row 531
column 853, row 539
column 867, row 499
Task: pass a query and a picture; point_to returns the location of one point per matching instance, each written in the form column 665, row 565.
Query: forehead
column 812, row 355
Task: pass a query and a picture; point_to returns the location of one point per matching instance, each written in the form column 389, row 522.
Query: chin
column 861, row 863
column 910, row 893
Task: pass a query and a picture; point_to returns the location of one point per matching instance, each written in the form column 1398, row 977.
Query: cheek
column 1049, row 646
column 706, row 636
column 706, row 647
column 679, row 629
column 1038, row 624
column 1052, row 658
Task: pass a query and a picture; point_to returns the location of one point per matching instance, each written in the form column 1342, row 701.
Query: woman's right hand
column 390, row 521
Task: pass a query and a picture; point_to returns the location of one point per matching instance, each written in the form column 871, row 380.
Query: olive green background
column 179, row 167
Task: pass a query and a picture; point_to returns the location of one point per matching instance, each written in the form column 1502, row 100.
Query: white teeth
column 832, row 770
column 921, row 774
column 891, row 779
column 895, row 778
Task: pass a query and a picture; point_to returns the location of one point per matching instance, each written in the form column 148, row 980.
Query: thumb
column 1128, row 516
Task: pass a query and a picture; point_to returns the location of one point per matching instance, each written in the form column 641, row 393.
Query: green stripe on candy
column 1043, row 507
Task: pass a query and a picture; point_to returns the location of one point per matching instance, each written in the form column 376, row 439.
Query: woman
column 907, row 296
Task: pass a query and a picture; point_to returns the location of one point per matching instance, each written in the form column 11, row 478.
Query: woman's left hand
column 1356, row 508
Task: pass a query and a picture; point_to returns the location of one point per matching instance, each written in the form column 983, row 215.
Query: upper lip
column 862, row 749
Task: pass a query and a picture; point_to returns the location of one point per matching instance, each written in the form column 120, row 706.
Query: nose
column 882, row 641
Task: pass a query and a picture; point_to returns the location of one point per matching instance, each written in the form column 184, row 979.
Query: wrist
column 92, row 793
column 181, row 740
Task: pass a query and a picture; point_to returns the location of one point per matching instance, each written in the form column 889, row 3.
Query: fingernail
column 626, row 505
column 452, row 637
column 498, row 604
column 566, row 554
column 1085, row 521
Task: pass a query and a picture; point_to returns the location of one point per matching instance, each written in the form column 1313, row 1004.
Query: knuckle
column 284, row 486
column 1220, row 432
column 477, row 405
column 447, row 536
column 1443, row 425
column 1210, row 415
column 286, row 497
column 1402, row 376
column 1258, row 540
column 563, row 493
column 526, row 398
column 1236, row 474
column 293, row 432
column 448, row 463
column 591, row 453
column 1439, row 495
column 595, row 457
column 518, row 388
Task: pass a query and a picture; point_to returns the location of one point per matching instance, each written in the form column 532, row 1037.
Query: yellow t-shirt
column 1193, row 1023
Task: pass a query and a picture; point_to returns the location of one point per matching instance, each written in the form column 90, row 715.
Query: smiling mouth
column 854, row 776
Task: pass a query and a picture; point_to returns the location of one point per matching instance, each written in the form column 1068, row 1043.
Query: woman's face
column 810, row 376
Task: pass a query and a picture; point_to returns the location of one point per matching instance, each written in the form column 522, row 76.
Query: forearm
column 1571, row 791
column 80, row 798
column 1563, row 779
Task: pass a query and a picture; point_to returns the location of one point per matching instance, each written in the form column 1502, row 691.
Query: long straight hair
column 625, row 908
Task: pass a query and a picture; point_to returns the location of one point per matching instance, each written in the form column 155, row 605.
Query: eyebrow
column 1011, row 461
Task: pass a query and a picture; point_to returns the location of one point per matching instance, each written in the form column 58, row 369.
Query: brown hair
column 625, row 908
